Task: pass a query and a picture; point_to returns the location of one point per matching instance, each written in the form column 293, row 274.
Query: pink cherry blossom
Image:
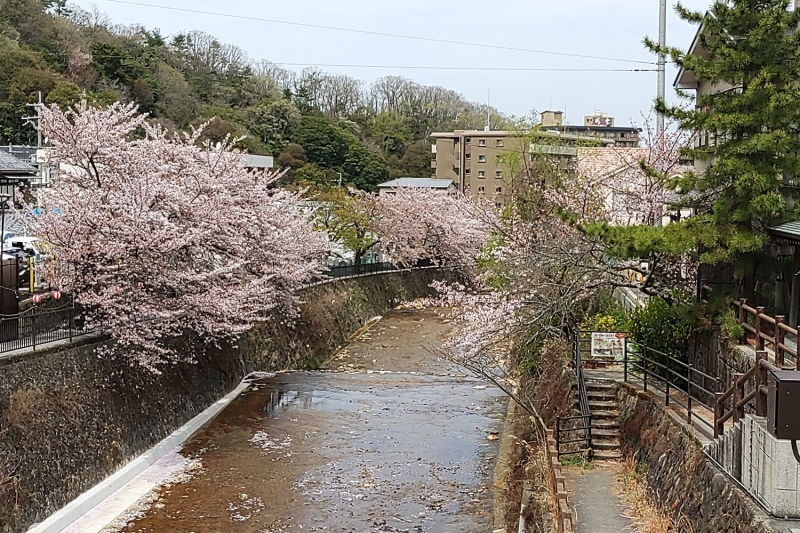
column 156, row 233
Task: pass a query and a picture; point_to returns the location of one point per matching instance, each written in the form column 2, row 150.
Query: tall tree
column 749, row 117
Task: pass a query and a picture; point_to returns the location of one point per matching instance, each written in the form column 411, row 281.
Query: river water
column 387, row 438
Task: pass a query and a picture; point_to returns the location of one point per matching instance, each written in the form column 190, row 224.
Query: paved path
column 595, row 500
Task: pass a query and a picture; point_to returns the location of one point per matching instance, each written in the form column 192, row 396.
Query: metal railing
column 348, row 271
column 36, row 326
column 677, row 380
column 564, row 435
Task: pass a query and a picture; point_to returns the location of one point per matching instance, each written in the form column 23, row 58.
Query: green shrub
column 665, row 326
column 729, row 326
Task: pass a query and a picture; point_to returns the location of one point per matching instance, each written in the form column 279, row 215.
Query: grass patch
column 576, row 460
column 641, row 504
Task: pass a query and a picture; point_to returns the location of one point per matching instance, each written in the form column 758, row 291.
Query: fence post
column 33, row 327
column 689, row 410
column 738, row 394
column 666, row 383
column 644, row 366
column 717, row 414
column 779, row 338
column 558, row 436
column 761, row 379
column 742, row 319
column 71, row 320
column 759, row 338
column 625, row 360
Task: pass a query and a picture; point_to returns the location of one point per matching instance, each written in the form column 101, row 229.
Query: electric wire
column 378, row 33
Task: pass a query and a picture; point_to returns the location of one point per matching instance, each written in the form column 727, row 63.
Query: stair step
column 604, row 385
column 603, row 415
column 605, row 444
column 603, row 432
column 601, row 397
column 603, row 406
column 605, row 424
column 601, row 455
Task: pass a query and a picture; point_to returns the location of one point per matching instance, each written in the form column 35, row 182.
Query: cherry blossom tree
column 156, row 234
column 543, row 266
column 415, row 224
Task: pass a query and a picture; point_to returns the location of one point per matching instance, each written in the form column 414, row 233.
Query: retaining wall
column 684, row 480
column 69, row 418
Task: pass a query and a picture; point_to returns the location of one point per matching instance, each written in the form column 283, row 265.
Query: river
column 386, row 438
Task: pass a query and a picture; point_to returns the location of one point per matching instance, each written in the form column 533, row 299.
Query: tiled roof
column 789, row 231
column 11, row 166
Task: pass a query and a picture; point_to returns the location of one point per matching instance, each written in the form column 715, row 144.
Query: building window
column 481, row 159
column 498, row 205
column 481, row 190
column 467, row 156
column 499, row 143
column 481, row 173
column 467, row 140
column 498, row 173
column 498, row 190
column 481, row 142
column 467, row 171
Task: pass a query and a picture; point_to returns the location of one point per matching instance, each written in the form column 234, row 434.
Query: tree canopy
column 188, row 79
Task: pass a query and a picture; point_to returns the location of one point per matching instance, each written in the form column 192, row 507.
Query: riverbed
column 386, row 437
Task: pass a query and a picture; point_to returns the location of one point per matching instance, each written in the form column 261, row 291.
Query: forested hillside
column 316, row 124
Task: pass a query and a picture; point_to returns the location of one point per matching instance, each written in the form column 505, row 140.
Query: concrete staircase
column 603, row 402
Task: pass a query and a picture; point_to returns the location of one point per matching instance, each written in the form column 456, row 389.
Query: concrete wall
column 69, row 418
column 769, row 470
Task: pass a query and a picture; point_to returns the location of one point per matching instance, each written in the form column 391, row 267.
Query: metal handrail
column 669, row 379
column 583, row 404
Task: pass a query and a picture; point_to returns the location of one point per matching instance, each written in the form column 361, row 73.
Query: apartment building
column 599, row 125
column 472, row 158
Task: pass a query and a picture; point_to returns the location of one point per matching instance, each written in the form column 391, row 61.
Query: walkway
column 595, row 500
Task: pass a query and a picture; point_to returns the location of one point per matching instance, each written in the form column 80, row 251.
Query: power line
column 422, row 67
column 377, row 33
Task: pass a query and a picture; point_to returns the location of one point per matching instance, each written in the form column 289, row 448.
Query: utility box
column 783, row 404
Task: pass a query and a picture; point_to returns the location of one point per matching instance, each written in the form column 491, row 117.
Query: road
column 387, row 438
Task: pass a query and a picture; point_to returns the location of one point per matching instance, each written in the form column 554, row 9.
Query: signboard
column 609, row 346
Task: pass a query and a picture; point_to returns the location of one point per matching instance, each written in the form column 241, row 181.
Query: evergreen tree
column 750, row 56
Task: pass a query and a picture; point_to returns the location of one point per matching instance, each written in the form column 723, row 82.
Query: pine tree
column 751, row 56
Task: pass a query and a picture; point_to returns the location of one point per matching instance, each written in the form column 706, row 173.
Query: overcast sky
column 605, row 28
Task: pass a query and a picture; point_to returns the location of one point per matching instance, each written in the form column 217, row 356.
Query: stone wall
column 685, row 482
column 69, row 418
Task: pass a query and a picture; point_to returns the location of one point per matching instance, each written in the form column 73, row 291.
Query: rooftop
column 11, row 166
column 788, row 232
column 422, row 183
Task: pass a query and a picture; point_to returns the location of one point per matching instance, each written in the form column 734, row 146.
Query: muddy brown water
column 389, row 439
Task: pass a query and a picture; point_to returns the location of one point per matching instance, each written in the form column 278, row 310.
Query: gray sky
column 607, row 28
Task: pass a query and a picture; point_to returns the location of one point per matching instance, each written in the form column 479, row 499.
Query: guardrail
column 35, row 326
column 766, row 330
column 677, row 380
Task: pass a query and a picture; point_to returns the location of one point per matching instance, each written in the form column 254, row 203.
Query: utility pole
column 37, row 119
column 662, row 62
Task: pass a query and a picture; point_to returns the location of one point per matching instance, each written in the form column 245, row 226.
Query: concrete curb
column 92, row 497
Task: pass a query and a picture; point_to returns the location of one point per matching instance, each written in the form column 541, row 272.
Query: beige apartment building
column 600, row 125
column 471, row 158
